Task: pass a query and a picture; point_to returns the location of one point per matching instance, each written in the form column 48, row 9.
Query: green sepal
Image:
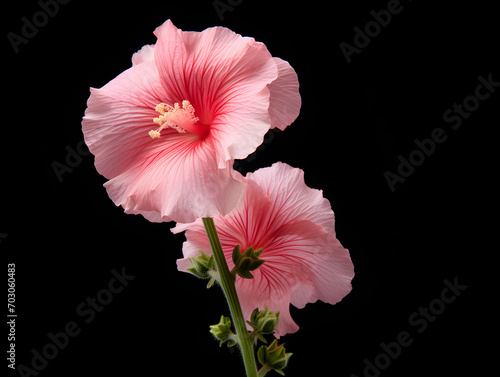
column 261, row 355
column 210, row 283
column 245, row 274
column 194, row 271
column 236, row 254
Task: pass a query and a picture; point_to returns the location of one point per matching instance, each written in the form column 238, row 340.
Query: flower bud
column 222, row 331
column 247, row 261
column 202, row 265
column 263, row 322
column 273, row 357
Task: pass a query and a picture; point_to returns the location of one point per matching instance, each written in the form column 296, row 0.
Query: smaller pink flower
column 304, row 261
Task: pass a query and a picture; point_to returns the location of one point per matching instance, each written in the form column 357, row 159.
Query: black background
column 66, row 237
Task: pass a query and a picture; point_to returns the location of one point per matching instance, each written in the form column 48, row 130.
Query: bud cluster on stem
column 227, row 281
column 263, row 322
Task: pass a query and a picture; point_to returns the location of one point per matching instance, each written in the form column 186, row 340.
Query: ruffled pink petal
column 302, row 264
column 198, row 240
column 291, row 198
column 119, row 117
column 180, row 180
column 152, row 216
column 261, row 292
column 145, row 54
column 285, row 97
column 225, row 77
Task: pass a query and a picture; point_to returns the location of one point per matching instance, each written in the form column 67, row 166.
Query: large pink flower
column 166, row 131
column 304, row 261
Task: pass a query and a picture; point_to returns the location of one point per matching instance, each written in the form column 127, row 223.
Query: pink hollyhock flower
column 166, row 131
column 294, row 224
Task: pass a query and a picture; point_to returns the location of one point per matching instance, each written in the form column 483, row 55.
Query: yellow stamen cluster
column 173, row 117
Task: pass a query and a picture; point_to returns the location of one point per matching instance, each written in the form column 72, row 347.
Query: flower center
column 180, row 119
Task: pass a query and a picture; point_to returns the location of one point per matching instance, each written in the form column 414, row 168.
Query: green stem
column 227, row 282
column 263, row 371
